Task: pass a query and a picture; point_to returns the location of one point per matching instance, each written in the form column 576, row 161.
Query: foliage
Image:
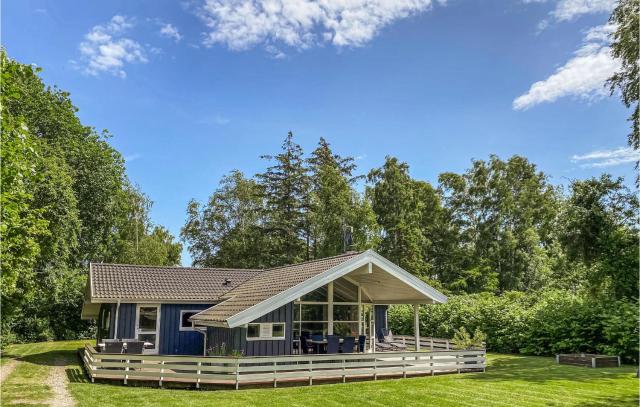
column 65, row 201
column 541, row 323
column 626, row 47
column 464, row 340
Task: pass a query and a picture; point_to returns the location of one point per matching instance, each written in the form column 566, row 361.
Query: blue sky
column 191, row 90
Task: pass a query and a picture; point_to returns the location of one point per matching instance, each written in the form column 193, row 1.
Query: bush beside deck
column 509, row 380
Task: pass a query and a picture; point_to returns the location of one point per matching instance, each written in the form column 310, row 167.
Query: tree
column 502, row 214
column 65, row 201
column 395, row 199
column 600, row 229
column 625, row 46
column 335, row 205
column 227, row 231
column 286, row 188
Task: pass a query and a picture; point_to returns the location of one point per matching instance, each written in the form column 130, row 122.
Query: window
column 266, row 331
column 104, row 321
column 185, row 324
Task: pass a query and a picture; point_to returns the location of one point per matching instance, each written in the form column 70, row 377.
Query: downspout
column 203, row 332
column 115, row 331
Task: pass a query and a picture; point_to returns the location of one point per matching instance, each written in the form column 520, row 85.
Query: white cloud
column 583, row 76
column 569, row 9
column 106, row 50
column 132, row 157
column 170, row 31
column 242, row 24
column 607, row 158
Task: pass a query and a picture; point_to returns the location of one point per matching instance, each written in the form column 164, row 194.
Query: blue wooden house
column 204, row 311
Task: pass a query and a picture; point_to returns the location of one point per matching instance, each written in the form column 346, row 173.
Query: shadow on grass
column 49, row 358
column 544, row 369
column 611, row 401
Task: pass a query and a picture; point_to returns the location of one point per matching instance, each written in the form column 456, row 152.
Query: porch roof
column 382, row 281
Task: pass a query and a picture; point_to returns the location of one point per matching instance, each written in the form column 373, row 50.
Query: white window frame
column 268, row 338
column 189, row 328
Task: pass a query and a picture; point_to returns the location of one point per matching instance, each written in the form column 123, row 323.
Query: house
column 199, row 311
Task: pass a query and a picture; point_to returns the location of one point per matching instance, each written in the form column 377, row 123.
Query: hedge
column 543, row 323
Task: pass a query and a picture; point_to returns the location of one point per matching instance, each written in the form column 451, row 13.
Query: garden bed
column 588, row 360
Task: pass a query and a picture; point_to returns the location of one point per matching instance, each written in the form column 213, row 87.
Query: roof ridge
column 176, row 267
column 351, row 253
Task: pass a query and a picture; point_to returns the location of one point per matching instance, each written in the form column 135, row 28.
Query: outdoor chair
column 112, row 347
column 381, row 345
column 134, row 347
column 333, row 344
column 391, row 341
column 348, row 343
column 362, row 340
column 304, row 345
column 317, row 337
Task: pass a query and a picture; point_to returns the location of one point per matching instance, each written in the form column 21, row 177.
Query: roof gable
column 277, row 287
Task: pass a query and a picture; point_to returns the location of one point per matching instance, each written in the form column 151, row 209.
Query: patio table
column 101, row 345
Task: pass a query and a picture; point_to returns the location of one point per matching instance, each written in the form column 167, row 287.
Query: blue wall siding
column 236, row 338
column 126, row 321
column 172, row 340
column 381, row 318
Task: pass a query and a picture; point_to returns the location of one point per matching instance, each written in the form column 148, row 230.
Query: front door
column 148, row 326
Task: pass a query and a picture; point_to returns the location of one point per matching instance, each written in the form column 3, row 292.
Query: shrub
column 542, row 323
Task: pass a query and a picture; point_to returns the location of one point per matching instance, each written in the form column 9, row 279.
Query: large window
column 104, row 321
column 312, row 315
column 266, row 331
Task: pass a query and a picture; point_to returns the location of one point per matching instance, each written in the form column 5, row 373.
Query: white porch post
column 359, row 311
column 330, row 308
column 416, row 322
column 115, row 331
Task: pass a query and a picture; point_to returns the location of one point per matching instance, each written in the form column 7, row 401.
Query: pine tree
column 286, row 187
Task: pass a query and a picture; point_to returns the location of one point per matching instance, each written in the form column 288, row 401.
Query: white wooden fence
column 426, row 343
column 244, row 370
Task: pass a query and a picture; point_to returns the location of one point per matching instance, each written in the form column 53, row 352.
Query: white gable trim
column 285, row 297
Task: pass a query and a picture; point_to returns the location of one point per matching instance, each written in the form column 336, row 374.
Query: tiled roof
column 267, row 284
column 123, row 281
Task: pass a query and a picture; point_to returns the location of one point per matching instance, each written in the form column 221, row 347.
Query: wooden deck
column 236, row 371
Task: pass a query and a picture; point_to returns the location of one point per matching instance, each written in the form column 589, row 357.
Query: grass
column 509, row 380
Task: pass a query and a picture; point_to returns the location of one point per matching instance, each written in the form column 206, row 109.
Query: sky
column 194, row 89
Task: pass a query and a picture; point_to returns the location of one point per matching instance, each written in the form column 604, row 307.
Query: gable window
column 265, row 331
column 185, row 324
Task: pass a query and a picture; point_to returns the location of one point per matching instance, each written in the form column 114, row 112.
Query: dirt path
column 58, row 382
column 7, row 368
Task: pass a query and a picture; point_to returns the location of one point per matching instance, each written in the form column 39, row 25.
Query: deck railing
column 427, row 343
column 244, row 370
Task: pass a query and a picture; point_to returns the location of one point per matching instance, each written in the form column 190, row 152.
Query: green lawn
column 509, row 380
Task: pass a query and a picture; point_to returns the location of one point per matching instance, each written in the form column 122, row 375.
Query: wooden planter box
column 588, row 360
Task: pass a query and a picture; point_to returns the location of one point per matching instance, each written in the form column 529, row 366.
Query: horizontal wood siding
column 274, row 347
column 126, row 321
column 172, row 340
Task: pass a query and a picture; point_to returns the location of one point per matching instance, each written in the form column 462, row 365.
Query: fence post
column 198, row 373
column 431, row 343
column 619, row 364
column 275, row 375
column 404, row 367
column 375, row 368
column 458, row 362
column 126, row 369
column 161, row 372
column 237, row 372
column 344, row 372
column 593, row 362
column 431, row 365
column 310, row 372
column 447, row 344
